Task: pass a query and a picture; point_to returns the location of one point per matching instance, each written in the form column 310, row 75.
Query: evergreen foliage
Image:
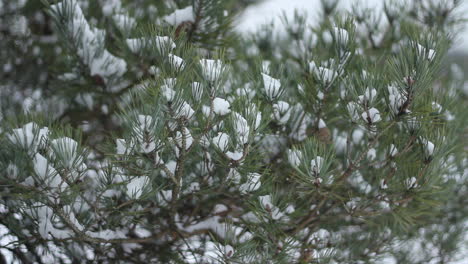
column 150, row 132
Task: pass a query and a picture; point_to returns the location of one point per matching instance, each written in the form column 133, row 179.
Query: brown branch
column 353, row 165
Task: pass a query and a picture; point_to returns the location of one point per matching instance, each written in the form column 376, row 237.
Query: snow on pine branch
column 88, row 42
column 210, row 156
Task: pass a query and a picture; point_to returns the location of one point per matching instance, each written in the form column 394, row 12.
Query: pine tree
column 150, row 132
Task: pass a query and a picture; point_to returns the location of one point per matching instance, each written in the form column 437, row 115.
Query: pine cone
column 185, row 27
column 324, row 135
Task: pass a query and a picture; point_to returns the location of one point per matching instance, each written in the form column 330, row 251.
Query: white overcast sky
column 271, row 10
